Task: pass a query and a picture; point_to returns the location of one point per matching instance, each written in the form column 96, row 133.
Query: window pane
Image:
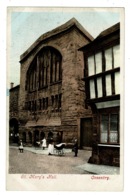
column 108, row 85
column 104, row 123
column 98, row 59
column 114, row 122
column 103, row 137
column 104, row 128
column 99, row 86
column 117, row 82
column 92, row 88
column 108, row 59
column 116, row 53
column 113, row 137
column 91, row 66
column 113, row 128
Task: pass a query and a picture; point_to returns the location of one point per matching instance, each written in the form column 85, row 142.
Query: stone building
column 51, row 94
column 14, row 114
column 102, row 59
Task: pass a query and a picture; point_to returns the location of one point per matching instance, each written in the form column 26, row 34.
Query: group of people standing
column 51, row 146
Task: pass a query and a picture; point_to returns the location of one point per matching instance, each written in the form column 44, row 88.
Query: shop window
column 109, row 127
column 104, row 128
column 113, row 128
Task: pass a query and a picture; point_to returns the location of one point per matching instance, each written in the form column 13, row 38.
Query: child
column 21, row 146
column 75, row 148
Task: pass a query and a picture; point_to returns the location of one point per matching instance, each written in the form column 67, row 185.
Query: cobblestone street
column 29, row 162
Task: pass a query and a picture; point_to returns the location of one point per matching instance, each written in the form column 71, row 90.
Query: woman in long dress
column 51, row 147
column 44, row 143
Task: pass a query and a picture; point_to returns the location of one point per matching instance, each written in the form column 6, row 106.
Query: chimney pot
column 11, row 85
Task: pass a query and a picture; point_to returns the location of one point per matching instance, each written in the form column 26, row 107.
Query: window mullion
column 112, row 59
column 94, row 64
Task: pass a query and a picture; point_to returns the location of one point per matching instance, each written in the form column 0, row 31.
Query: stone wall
column 72, row 87
column 13, row 102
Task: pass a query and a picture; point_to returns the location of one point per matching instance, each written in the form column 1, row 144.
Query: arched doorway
column 13, row 131
column 36, row 136
column 50, row 136
column 42, row 135
column 30, row 137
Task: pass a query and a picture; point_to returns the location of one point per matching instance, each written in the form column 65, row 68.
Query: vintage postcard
column 65, row 99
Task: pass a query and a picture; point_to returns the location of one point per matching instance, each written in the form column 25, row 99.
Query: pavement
column 90, row 168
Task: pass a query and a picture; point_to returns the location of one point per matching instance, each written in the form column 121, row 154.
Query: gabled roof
column 103, row 35
column 72, row 22
column 108, row 31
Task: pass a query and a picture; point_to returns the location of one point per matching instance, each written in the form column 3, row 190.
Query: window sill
column 109, row 145
column 57, row 82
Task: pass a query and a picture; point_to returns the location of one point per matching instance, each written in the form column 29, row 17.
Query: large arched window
column 45, row 69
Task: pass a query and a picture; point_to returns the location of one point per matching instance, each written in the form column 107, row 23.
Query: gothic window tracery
column 46, row 69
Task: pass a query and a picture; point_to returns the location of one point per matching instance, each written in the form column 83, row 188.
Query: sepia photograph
column 65, row 71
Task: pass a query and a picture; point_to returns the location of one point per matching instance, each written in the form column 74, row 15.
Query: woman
column 44, row 143
column 51, row 147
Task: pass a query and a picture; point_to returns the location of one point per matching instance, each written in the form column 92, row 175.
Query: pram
column 59, row 148
column 37, row 144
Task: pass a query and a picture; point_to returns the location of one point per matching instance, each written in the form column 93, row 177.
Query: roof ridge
column 109, row 30
column 56, row 31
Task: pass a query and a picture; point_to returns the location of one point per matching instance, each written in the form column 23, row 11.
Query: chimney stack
column 11, row 85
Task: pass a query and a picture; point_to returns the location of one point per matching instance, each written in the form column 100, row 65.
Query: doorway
column 86, row 133
column 13, row 130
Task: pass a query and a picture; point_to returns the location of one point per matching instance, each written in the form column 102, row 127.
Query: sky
column 27, row 25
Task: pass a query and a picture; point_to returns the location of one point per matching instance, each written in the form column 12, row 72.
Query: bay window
column 103, row 75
